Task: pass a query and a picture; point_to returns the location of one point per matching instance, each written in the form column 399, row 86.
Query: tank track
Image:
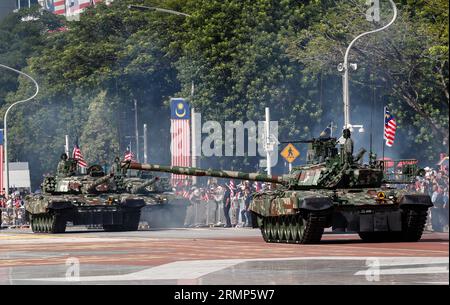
column 48, row 223
column 296, row 229
column 413, row 225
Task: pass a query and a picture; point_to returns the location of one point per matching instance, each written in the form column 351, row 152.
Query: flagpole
column 384, row 128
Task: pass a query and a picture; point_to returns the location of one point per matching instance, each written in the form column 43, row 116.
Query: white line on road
column 187, row 270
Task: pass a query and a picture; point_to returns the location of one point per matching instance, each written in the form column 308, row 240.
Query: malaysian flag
column 129, row 156
column 78, row 156
column 180, row 146
column 390, row 126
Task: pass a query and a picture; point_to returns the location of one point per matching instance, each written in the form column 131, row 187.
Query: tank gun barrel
column 308, row 141
column 91, row 186
column 141, row 188
column 191, row 171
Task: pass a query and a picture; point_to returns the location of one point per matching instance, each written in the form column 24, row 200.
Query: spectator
column 246, row 213
column 227, row 206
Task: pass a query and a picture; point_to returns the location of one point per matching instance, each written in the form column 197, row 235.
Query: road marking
column 421, row 270
column 189, row 270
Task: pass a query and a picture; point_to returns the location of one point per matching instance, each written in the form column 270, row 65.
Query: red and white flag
column 129, row 156
column 180, row 132
column 390, row 127
column 1, row 163
column 78, row 156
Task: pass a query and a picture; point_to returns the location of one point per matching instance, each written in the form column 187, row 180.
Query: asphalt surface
column 215, row 256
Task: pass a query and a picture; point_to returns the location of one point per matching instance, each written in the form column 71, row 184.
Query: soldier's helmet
column 64, row 156
column 346, row 133
column 116, row 159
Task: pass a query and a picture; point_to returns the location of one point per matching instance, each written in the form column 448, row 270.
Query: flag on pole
column 1, row 162
column 78, row 156
column 129, row 156
column 326, row 133
column 180, row 146
column 390, row 127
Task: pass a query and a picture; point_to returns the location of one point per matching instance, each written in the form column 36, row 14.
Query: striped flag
column 129, row 156
column 69, row 7
column 390, row 127
column 58, row 7
column 1, row 162
column 180, row 146
column 78, row 156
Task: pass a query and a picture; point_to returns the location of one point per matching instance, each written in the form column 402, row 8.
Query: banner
column 180, row 131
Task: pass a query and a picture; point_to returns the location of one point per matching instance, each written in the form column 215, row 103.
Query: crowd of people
column 12, row 209
column 435, row 184
column 217, row 204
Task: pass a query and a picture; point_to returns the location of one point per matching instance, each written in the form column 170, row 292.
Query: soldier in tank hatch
column 66, row 166
column 348, row 146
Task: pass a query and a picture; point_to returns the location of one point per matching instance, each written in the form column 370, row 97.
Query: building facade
column 69, row 8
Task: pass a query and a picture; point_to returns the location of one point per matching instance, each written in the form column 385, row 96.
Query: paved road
column 215, row 256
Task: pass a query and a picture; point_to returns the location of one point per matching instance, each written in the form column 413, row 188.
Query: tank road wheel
column 269, row 226
column 293, row 228
column 274, row 229
column 311, row 228
column 33, row 223
column 38, row 223
column 45, row 223
column 264, row 231
column 287, row 231
column 283, row 228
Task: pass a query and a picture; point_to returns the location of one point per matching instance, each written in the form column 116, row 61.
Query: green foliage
column 242, row 55
column 100, row 140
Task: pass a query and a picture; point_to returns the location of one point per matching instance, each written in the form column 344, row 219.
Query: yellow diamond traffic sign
column 290, row 153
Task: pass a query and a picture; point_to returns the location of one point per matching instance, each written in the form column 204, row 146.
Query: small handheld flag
column 390, row 127
column 129, row 156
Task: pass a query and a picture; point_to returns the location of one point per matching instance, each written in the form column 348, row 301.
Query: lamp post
column 153, row 8
column 345, row 67
column 5, row 125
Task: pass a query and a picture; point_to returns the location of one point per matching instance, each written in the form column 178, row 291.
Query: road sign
column 290, row 153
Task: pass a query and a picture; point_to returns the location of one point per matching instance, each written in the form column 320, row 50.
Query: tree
column 100, row 135
column 411, row 61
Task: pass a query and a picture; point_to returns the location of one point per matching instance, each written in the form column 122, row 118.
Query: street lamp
column 5, row 125
column 153, row 8
column 345, row 67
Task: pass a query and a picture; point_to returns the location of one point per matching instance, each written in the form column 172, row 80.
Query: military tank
column 334, row 189
column 90, row 199
column 163, row 208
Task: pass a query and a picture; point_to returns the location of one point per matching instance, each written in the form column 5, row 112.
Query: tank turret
column 78, row 184
column 326, row 168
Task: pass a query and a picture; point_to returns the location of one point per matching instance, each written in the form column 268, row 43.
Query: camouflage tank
column 88, row 199
column 163, row 208
column 333, row 190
